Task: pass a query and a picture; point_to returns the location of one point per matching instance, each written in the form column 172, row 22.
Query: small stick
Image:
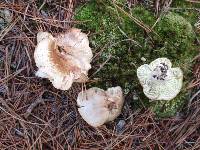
column 102, row 65
column 33, row 105
column 193, row 1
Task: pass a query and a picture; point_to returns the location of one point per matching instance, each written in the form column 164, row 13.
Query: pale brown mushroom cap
column 44, row 35
column 97, row 106
column 55, row 63
column 76, row 43
column 159, row 80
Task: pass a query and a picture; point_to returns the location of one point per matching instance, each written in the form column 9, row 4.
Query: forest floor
column 35, row 115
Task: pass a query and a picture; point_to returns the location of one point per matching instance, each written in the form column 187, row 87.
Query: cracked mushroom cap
column 64, row 59
column 97, row 106
column 159, row 80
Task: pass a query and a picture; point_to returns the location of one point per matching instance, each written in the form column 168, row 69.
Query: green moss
column 177, row 40
column 170, row 108
column 84, row 14
column 115, row 34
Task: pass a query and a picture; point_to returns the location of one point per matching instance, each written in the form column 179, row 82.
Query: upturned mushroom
column 64, row 59
column 97, row 106
column 159, row 80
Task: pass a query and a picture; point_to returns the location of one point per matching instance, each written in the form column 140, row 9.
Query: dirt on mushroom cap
column 63, row 59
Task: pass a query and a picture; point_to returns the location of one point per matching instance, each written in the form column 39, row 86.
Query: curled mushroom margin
column 97, row 106
column 159, row 80
column 64, row 59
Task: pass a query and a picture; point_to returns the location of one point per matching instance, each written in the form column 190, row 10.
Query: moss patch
column 122, row 43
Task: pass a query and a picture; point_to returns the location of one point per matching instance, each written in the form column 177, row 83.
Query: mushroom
column 159, row 80
column 5, row 18
column 97, row 106
column 64, row 59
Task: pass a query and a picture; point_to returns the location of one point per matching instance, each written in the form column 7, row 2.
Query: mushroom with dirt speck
column 97, row 106
column 64, row 59
column 159, row 80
